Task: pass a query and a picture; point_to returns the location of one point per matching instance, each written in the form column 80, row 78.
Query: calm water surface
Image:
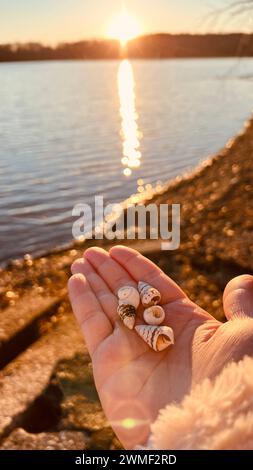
column 72, row 130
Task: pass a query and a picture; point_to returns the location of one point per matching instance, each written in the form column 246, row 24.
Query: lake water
column 73, row 130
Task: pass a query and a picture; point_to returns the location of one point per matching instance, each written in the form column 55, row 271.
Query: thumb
column 238, row 297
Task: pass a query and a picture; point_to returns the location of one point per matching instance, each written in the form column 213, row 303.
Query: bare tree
column 232, row 9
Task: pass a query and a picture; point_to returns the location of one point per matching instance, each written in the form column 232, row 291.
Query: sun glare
column 124, row 27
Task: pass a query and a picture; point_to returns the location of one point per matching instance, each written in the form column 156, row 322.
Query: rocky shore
column 47, row 394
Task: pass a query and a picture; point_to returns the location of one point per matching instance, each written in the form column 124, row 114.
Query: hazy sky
column 51, row 21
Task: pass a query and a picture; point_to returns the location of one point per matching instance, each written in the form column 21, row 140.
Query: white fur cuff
column 216, row 415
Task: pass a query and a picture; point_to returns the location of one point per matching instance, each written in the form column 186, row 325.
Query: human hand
column 133, row 381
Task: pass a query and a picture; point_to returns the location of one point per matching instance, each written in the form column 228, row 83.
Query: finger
column 113, row 274
column 142, row 269
column 106, row 298
column 238, row 297
column 94, row 323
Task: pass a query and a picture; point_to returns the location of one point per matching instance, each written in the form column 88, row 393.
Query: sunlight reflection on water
column 130, row 133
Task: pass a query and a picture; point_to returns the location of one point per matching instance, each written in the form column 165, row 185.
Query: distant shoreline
column 119, row 59
column 155, row 46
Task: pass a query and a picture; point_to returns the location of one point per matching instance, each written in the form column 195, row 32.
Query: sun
column 124, row 27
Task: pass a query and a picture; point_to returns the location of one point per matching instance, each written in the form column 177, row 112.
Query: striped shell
column 129, row 295
column 157, row 337
column 149, row 295
column 154, row 315
column 127, row 314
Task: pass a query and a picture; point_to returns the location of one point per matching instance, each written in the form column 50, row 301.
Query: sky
column 53, row 21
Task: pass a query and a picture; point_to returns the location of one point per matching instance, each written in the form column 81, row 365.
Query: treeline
column 145, row 47
column 187, row 45
column 67, row 51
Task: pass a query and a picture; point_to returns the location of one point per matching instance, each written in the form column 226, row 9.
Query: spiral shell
column 127, row 314
column 149, row 295
column 129, row 295
column 154, row 315
column 157, row 337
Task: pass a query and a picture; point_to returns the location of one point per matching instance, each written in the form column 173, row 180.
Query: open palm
column 133, row 381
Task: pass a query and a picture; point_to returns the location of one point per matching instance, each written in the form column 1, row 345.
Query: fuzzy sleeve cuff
column 216, row 415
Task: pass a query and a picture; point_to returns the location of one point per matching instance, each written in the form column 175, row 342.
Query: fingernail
column 76, row 286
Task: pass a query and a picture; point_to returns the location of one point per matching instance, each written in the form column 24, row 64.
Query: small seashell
column 129, row 295
column 154, row 315
column 127, row 314
column 157, row 337
column 149, row 295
